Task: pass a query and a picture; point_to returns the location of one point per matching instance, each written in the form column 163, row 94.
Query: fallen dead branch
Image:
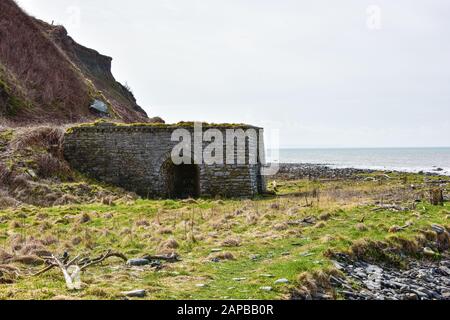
column 305, row 221
column 395, row 229
column 171, row 258
column 71, row 269
column 393, row 207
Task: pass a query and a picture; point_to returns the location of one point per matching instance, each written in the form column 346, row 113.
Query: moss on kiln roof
column 159, row 125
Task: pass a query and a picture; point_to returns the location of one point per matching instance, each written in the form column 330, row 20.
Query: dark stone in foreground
column 135, row 294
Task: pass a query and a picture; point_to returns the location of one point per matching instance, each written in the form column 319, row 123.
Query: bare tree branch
column 103, row 257
column 79, row 265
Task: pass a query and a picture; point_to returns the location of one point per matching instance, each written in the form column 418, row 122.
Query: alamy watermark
column 374, row 18
column 231, row 146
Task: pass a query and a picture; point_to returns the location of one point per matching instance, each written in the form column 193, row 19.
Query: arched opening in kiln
column 181, row 181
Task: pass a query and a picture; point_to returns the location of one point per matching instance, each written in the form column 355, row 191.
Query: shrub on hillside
column 49, row 138
column 49, row 166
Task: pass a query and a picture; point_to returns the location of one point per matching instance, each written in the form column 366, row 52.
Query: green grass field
column 230, row 249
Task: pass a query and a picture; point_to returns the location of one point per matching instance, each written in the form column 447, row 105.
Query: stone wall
column 137, row 158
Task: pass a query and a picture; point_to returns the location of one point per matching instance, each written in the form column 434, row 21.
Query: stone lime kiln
column 217, row 160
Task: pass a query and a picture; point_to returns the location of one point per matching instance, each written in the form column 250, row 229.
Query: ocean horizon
column 406, row 159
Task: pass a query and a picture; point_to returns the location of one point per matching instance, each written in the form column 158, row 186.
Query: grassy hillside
column 45, row 76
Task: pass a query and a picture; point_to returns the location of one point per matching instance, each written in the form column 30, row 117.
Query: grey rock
column 445, row 270
column 306, row 254
column 438, row 229
column 138, row 262
column 337, row 265
column 428, row 251
column 282, row 281
column 239, row 279
column 135, row 293
column 99, row 106
column 266, row 288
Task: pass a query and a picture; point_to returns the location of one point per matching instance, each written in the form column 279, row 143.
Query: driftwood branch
column 109, row 254
column 173, row 257
column 71, row 262
column 400, row 228
column 48, row 268
column 76, row 265
column 393, row 207
column 72, row 280
column 305, row 221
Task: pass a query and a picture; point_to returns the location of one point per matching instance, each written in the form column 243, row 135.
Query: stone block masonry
column 138, row 158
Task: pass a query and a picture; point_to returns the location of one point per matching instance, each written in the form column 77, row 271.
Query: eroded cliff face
column 45, row 76
column 97, row 68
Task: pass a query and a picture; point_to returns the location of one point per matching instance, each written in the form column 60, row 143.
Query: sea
column 435, row 160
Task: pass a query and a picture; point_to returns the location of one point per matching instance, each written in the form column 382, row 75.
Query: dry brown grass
column 32, row 170
column 224, row 256
column 76, row 241
column 50, row 167
column 4, row 173
column 29, row 260
column 312, row 283
column 320, row 225
column 251, row 218
column 325, row 216
column 42, row 145
column 48, row 137
column 8, row 274
column 142, row 223
column 390, row 250
column 165, row 230
column 169, row 244
column 231, row 242
column 281, row 226
column 6, row 201
column 361, row 227
column 5, row 257
column 84, row 218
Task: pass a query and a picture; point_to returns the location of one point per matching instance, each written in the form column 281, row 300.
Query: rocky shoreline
column 421, row 280
column 294, row 171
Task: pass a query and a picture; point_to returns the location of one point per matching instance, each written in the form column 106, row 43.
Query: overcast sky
column 326, row 73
